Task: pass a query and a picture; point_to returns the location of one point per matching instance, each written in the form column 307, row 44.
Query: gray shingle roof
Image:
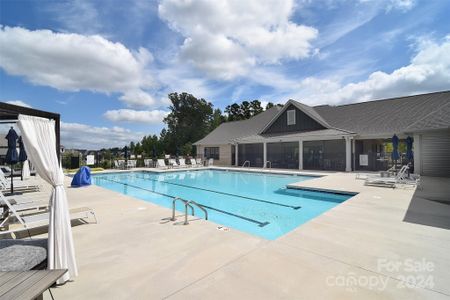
column 393, row 115
column 296, row 135
column 379, row 117
column 227, row 132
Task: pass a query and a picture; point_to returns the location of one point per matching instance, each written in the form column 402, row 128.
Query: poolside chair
column 147, row 163
column 41, row 219
column 193, row 163
column 21, row 207
column 173, row 163
column 182, row 162
column 19, row 185
column 210, row 161
column 160, row 163
column 400, row 178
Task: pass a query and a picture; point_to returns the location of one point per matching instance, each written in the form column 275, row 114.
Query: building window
column 291, row 117
column 212, row 152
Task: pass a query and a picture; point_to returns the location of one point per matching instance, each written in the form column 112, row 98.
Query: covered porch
column 329, row 150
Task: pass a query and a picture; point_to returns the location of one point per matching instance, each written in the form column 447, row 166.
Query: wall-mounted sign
column 90, row 160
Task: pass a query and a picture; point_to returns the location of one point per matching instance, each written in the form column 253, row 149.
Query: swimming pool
column 256, row 203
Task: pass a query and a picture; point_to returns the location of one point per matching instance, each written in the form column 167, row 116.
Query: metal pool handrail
column 247, row 161
column 199, row 206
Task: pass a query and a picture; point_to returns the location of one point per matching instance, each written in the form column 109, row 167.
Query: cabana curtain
column 39, row 140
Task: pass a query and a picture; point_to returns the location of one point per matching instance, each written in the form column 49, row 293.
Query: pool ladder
column 190, row 204
column 245, row 162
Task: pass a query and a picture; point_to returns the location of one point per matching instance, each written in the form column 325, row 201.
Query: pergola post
column 265, row 154
column 348, row 154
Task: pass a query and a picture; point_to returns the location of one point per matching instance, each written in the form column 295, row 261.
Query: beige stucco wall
column 224, row 154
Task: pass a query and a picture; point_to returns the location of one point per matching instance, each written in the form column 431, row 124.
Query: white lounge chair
column 19, row 185
column 173, row 163
column 21, row 207
column 182, row 163
column 160, row 163
column 377, row 180
column 147, row 163
column 193, row 163
column 41, row 219
column 210, row 161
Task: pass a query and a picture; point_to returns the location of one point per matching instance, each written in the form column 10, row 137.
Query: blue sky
column 107, row 66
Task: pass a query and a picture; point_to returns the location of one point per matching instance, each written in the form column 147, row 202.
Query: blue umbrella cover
column 22, row 154
column 409, row 145
column 11, row 156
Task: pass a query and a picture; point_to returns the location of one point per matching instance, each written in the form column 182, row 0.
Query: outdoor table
column 27, row 285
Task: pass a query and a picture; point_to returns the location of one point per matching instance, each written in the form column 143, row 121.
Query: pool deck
column 134, row 252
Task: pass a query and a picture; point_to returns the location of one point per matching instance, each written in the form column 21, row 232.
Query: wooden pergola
column 9, row 113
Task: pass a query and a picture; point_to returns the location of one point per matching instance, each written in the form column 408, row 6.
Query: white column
column 265, row 154
column 348, row 154
column 236, row 156
column 417, row 145
column 300, row 155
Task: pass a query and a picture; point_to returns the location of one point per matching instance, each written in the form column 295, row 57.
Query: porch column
column 236, row 162
column 417, row 145
column 300, row 155
column 265, row 154
column 348, row 154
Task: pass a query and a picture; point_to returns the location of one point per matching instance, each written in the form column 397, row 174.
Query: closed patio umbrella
column 154, row 151
column 395, row 154
column 11, row 156
column 23, row 158
column 409, row 145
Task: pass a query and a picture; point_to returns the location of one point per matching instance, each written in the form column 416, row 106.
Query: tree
column 243, row 111
column 189, row 120
column 256, row 107
column 217, row 119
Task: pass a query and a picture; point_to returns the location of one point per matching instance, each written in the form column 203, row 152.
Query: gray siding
column 303, row 123
column 436, row 154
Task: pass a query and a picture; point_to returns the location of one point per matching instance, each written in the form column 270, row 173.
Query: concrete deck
column 135, row 253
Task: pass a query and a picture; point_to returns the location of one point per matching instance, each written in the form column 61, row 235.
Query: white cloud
column 73, row 62
column 225, row 39
column 130, row 115
column 402, row 5
column 428, row 71
column 18, row 102
column 82, row 136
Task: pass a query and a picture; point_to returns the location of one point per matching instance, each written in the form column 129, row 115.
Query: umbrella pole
column 12, row 175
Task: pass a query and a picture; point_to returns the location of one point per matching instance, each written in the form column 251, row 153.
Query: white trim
column 236, row 155
column 300, row 154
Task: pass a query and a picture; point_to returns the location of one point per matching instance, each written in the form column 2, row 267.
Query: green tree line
column 190, row 119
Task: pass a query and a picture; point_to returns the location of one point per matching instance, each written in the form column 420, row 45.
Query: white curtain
column 26, row 170
column 39, row 139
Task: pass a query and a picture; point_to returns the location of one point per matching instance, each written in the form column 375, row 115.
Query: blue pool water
column 256, row 203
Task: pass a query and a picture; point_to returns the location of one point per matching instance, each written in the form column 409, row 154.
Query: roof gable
column 307, row 110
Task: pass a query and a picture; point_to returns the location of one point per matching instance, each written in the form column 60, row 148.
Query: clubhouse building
column 338, row 138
